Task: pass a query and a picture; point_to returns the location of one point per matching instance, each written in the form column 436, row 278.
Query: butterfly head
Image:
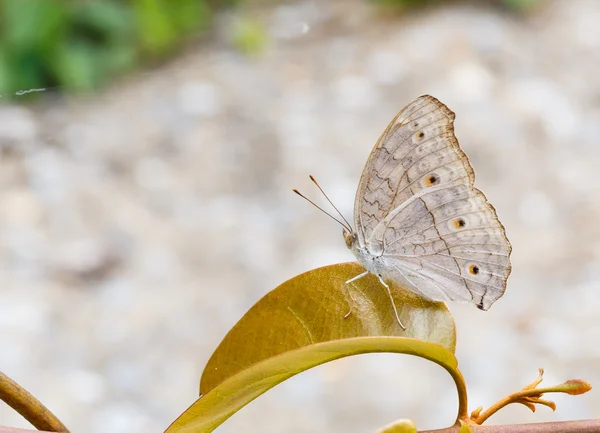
column 350, row 237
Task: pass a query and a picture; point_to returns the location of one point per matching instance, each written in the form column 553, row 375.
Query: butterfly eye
column 432, row 179
column 473, row 269
column 459, row 223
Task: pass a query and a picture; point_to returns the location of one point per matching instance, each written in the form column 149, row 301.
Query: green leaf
column 75, row 65
column 155, row 32
column 310, row 309
column 31, row 24
column 107, row 21
column 189, row 16
column 23, row 71
column 213, row 408
column 5, row 74
column 521, row 5
column 400, row 426
column 301, row 324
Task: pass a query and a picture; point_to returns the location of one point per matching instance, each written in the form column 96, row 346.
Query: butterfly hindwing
column 457, row 237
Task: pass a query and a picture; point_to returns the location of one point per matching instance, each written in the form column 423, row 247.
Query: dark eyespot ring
column 459, row 223
column 432, row 179
column 473, row 269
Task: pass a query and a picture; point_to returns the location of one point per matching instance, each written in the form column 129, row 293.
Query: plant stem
column 513, row 398
column 586, row 426
column 28, row 406
column 461, row 388
column 531, row 395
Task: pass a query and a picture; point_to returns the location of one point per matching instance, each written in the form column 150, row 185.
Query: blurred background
column 147, row 155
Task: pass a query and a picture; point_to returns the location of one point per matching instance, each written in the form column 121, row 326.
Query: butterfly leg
column 351, row 280
column 392, row 300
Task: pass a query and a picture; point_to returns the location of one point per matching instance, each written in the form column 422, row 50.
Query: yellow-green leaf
column 213, row 408
column 400, row 426
column 310, row 309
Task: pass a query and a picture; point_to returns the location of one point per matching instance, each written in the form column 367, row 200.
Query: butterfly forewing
column 417, row 209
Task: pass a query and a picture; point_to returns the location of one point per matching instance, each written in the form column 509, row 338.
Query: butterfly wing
column 416, row 208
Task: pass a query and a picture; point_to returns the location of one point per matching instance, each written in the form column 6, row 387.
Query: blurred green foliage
column 249, row 36
column 79, row 44
column 513, row 5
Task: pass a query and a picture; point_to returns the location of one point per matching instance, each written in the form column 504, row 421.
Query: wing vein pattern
column 418, row 217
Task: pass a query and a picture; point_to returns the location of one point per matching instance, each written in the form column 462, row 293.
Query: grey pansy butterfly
column 419, row 221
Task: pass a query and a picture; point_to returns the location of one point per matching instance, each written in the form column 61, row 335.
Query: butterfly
column 419, row 222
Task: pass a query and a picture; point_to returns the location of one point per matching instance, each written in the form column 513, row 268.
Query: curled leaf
column 310, row 309
column 304, row 323
column 218, row 404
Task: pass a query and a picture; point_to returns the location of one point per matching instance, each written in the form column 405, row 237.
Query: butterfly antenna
column 321, row 209
column 330, row 202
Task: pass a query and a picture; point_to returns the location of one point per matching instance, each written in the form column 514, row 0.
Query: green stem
column 461, row 388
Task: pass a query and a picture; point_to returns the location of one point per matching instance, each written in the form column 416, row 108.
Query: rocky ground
column 139, row 224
